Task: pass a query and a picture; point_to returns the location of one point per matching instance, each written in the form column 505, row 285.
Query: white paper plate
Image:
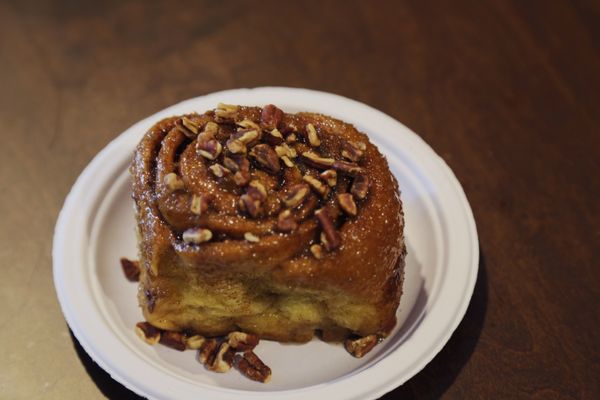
column 96, row 227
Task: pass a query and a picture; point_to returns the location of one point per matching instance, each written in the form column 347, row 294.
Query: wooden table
column 507, row 92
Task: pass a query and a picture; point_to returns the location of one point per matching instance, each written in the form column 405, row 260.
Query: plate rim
column 60, row 233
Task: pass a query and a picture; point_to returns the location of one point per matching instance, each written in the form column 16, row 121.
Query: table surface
column 507, row 92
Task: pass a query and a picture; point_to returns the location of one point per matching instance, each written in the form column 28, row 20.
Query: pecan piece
column 223, row 359
column 360, row 186
column 329, row 176
column 351, row 152
column 284, row 150
column 236, row 146
column 209, row 131
column 208, row 351
column 271, row 116
column 188, row 127
column 266, row 157
column 347, row 203
column 360, row 347
column 317, row 251
column 197, row 235
column 286, row 222
column 194, row 342
column 250, row 205
column 291, row 138
column 317, row 161
column 226, row 111
column 198, row 204
column 174, row 340
column 257, row 190
column 131, row 269
column 247, row 136
column 248, row 124
column 274, row 137
column 288, row 163
column 317, row 185
column 241, row 177
column 218, row 170
column 252, row 367
column 230, row 164
column 251, row 237
column 313, row 138
column 209, row 149
column 173, row 182
column 296, row 195
column 147, row 333
column 241, row 341
column 330, row 234
column 347, row 168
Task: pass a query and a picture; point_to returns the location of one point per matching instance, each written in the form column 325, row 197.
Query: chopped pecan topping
column 236, row 146
column 257, row 190
column 360, row 186
column 286, row 222
column 317, row 251
column 191, row 128
column 174, row 340
column 347, row 168
column 362, row 346
column 210, row 130
column 241, row 341
column 248, row 124
column 223, row 359
column 252, row 367
column 271, row 117
column 288, row 163
column 313, row 138
column 291, row 138
column 241, row 178
column 173, row 182
column 285, row 150
column 251, row 237
column 131, row 269
column 226, row 111
column 247, row 136
column 330, row 234
column 274, row 137
column 208, row 351
column 218, row 170
column 347, row 203
column 197, row 235
column 317, row 161
column 195, row 342
column 230, row 164
column 250, row 205
column 296, row 195
column 266, row 157
column 199, row 204
column 147, row 333
column 317, row 185
column 351, row 152
column 209, row 149
column 329, row 176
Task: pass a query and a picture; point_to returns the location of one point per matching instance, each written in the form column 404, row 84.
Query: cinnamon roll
column 276, row 224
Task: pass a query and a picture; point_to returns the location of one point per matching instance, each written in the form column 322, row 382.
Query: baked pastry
column 274, row 224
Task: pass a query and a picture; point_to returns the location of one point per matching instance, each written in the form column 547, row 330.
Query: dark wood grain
column 507, row 92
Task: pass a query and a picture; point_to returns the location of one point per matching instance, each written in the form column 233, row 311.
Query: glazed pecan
column 173, row 182
column 241, row 341
column 360, row 347
column 174, row 340
column 286, row 222
column 131, row 269
column 351, row 151
column 330, row 234
column 266, row 157
column 347, row 168
column 329, row 176
column 209, row 149
column 147, row 332
column 313, row 138
column 252, row 367
column 222, row 360
column 360, row 186
column 296, row 195
column 317, row 161
column 199, row 204
column 317, row 185
column 271, row 117
column 347, row 203
column 197, row 235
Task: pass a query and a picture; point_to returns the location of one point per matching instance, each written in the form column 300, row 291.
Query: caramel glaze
column 366, row 268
